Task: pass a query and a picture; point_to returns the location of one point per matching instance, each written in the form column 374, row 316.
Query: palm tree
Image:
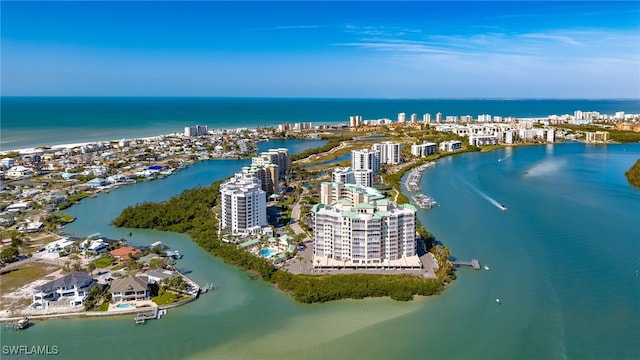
column 91, row 267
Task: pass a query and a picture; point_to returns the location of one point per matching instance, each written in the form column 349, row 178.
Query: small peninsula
column 190, row 212
column 633, row 174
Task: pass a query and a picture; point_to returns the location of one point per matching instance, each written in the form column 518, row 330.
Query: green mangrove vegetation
column 633, row 174
column 191, row 212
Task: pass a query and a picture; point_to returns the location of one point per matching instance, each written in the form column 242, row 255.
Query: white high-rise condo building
column 414, row 117
column 243, row 205
column 355, row 121
column 363, row 177
column 389, row 152
column 402, row 117
column 484, row 118
column 344, row 175
column 365, row 159
column 356, row 227
column 196, row 130
column 426, row 118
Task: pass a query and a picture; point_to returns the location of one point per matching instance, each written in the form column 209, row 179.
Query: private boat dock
column 155, row 314
column 424, row 201
column 474, row 263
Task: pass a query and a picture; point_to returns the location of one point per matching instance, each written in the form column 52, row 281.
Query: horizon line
column 322, row 98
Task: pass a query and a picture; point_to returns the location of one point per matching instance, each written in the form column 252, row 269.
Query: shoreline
column 42, row 148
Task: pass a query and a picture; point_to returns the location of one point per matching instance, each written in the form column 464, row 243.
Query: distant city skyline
column 322, row 49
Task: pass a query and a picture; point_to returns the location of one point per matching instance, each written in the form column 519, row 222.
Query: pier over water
column 474, row 263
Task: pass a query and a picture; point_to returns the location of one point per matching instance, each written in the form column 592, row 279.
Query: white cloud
column 294, row 27
column 560, row 38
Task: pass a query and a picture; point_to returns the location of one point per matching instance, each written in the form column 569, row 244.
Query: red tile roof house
column 123, row 252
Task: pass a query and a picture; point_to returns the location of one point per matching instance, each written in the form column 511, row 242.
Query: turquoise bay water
column 563, row 261
column 37, row 121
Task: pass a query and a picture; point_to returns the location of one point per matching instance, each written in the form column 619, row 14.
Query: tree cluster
column 633, row 174
column 313, row 288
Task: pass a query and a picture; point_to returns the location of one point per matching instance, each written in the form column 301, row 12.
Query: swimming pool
column 123, row 306
column 265, row 253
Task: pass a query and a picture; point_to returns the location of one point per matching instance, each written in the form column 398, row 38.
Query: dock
column 474, row 263
column 424, row 201
column 413, row 180
column 155, row 314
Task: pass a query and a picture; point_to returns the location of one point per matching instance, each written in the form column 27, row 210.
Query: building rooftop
column 75, row 278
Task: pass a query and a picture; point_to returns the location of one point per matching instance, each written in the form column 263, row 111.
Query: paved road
column 295, row 216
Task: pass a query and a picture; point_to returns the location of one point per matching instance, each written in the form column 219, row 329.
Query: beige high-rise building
column 356, row 226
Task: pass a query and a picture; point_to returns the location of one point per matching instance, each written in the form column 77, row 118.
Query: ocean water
column 28, row 122
column 563, row 260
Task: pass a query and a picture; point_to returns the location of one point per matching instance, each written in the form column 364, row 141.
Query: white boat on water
column 22, row 323
column 486, row 267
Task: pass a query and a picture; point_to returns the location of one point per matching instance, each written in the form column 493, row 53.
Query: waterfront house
column 94, row 247
column 130, row 288
column 123, row 252
column 146, row 260
column 97, row 182
column 156, row 276
column 69, row 290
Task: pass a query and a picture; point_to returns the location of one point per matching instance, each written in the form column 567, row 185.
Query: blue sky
column 358, row 49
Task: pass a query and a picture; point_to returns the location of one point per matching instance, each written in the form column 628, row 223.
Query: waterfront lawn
column 169, row 297
column 103, row 262
column 15, row 279
column 103, row 307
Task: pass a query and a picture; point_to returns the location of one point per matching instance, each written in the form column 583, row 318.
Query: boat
column 424, row 201
column 498, row 301
column 486, row 267
column 174, row 254
column 503, row 207
column 22, row 324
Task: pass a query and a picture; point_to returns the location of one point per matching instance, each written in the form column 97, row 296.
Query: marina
column 413, row 180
